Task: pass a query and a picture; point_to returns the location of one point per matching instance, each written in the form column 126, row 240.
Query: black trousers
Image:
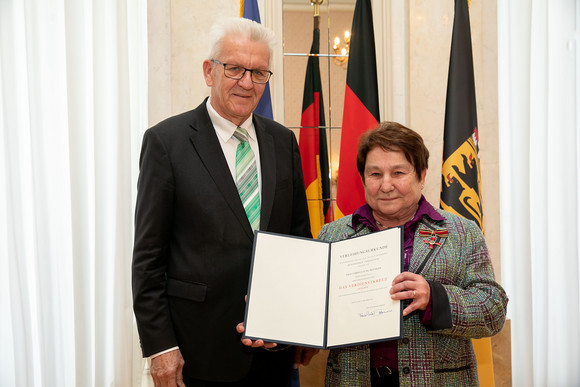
column 268, row 369
column 380, row 378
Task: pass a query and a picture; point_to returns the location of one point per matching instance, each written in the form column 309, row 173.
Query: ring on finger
column 414, row 293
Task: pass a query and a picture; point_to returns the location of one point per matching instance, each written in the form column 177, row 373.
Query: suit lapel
column 206, row 144
column 268, row 167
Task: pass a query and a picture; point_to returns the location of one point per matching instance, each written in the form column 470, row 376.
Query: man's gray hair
column 238, row 26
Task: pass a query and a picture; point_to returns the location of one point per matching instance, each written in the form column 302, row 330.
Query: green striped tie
column 247, row 178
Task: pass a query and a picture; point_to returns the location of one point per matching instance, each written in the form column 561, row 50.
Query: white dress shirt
column 225, row 131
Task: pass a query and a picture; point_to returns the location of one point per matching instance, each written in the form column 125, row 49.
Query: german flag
column 461, row 172
column 361, row 107
column 312, row 141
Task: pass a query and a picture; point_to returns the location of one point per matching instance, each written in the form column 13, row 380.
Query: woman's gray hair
column 238, row 26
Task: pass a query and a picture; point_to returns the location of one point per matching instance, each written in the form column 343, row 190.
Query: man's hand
column 254, row 344
column 166, row 369
column 302, row 356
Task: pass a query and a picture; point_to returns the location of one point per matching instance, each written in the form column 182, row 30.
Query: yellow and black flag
column 461, row 172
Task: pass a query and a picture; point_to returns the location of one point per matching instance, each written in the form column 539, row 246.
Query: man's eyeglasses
column 238, row 72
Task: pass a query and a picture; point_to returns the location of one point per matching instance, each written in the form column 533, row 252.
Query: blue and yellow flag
column 249, row 10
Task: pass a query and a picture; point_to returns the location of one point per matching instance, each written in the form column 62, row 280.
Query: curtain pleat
column 538, row 84
column 73, row 92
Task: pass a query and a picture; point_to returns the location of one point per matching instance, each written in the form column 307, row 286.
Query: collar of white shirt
column 225, row 128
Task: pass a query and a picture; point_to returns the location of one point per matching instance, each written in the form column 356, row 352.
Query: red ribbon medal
column 431, row 236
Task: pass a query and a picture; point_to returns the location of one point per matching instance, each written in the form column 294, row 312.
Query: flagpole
column 317, row 4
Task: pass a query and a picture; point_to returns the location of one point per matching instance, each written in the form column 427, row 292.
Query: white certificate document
column 320, row 294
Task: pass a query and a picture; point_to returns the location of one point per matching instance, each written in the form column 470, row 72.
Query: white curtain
column 539, row 105
column 72, row 109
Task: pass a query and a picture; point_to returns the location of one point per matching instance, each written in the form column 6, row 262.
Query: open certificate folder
column 320, row 294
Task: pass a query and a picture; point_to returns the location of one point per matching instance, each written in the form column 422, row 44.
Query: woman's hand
column 412, row 286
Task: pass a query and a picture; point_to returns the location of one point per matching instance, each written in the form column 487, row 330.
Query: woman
column 447, row 287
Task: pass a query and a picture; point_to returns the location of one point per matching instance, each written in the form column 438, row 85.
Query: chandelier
column 341, row 49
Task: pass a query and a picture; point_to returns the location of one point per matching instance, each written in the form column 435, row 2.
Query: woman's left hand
column 412, row 286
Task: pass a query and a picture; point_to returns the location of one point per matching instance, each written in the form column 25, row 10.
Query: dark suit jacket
column 193, row 241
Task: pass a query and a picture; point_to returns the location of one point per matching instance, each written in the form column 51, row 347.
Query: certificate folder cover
column 324, row 295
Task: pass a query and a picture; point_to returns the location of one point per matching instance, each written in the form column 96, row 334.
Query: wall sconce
column 341, row 52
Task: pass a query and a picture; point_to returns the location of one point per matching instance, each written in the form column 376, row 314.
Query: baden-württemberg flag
column 312, row 142
column 461, row 172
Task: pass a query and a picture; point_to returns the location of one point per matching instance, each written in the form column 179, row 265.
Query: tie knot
column 241, row 134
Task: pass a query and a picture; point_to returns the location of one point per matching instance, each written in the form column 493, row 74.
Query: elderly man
column 208, row 179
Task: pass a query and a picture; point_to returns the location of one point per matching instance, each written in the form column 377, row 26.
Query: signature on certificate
column 371, row 313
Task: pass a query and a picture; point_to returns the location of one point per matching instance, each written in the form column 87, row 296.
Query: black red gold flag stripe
column 361, row 107
column 312, row 140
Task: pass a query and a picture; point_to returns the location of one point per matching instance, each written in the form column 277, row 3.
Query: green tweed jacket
column 467, row 303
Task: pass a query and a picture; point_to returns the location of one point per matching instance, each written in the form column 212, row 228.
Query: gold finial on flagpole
column 468, row 3
column 317, row 4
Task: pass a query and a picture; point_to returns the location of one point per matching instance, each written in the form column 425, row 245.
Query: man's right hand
column 166, row 369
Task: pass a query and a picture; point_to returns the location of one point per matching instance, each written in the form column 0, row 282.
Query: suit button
column 406, row 370
column 405, row 340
